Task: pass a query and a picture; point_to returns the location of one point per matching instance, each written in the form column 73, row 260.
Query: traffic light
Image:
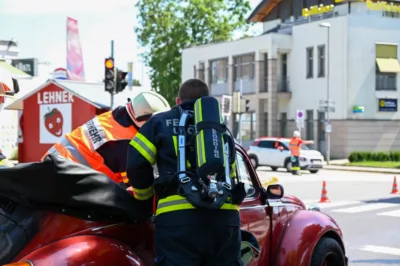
column 247, row 102
column 109, row 75
column 121, row 82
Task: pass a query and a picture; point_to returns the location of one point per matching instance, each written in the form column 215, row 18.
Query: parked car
column 275, row 153
column 277, row 229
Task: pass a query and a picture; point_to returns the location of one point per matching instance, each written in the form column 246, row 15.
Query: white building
column 288, row 68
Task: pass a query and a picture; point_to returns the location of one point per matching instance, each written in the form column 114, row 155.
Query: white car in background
column 265, row 151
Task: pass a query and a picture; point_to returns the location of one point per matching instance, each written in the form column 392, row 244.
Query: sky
column 39, row 27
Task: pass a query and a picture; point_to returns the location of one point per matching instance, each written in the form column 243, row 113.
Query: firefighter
column 295, row 146
column 102, row 142
column 184, row 234
column 8, row 88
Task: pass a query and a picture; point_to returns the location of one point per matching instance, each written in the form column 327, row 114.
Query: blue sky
column 39, row 26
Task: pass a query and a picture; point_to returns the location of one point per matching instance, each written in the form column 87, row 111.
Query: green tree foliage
column 137, row 83
column 167, row 26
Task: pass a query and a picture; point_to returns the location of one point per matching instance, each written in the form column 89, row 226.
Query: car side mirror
column 274, row 191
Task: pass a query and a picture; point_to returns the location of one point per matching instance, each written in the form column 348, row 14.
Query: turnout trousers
column 198, row 245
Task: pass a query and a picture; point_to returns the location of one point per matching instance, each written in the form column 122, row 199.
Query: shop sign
column 317, row 10
column 29, row 65
column 387, row 105
column 383, row 6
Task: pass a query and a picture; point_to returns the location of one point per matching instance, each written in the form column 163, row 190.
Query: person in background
column 102, row 142
column 8, row 88
column 295, row 147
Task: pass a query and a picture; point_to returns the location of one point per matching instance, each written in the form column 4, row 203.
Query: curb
column 350, row 169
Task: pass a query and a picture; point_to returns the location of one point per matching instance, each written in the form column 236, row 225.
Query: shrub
column 356, row 156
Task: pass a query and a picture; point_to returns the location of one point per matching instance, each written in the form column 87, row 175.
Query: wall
column 33, row 149
column 306, row 93
column 364, row 32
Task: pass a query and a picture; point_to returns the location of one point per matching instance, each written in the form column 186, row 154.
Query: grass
column 376, row 164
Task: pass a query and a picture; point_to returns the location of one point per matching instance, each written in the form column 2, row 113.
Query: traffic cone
column 324, row 194
column 395, row 189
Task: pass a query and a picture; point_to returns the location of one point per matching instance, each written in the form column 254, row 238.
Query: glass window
column 321, row 61
column 310, row 62
column 244, row 175
column 219, row 71
column 310, row 125
column 201, row 71
column 266, row 144
column 244, row 67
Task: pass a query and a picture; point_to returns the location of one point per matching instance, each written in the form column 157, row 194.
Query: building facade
column 312, row 51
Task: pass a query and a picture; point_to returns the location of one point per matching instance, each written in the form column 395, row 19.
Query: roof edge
column 256, row 10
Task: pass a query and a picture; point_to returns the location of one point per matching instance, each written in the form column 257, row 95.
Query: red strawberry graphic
column 53, row 121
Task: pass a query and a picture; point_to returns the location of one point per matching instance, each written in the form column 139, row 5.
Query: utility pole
column 240, row 111
column 112, row 93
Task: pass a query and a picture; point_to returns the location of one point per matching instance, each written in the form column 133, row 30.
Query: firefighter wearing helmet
column 8, row 87
column 295, row 146
column 102, row 143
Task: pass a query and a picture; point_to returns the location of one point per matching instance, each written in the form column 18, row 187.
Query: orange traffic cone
column 395, row 189
column 324, row 194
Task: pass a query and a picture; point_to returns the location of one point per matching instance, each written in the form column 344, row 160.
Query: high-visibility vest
column 294, row 146
column 81, row 144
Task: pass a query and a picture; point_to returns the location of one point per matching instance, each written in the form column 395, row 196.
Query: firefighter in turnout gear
column 102, row 142
column 193, row 225
column 295, row 147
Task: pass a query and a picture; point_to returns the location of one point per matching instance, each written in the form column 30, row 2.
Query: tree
column 137, row 83
column 166, row 27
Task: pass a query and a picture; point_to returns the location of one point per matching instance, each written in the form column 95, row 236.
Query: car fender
column 84, row 250
column 302, row 232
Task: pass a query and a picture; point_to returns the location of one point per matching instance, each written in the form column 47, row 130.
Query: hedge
column 393, row 156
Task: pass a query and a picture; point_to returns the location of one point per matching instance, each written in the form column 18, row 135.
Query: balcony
column 386, row 82
column 218, row 89
column 283, row 85
column 248, row 86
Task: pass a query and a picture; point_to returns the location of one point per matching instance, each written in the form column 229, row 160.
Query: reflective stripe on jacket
column 81, row 144
column 178, row 203
column 294, row 146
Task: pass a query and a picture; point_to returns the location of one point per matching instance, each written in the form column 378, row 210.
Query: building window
column 244, row 67
column 321, row 126
column 201, row 71
column 386, row 67
column 283, row 125
column 310, row 125
column 194, row 72
column 219, row 71
column 310, row 62
column 321, row 61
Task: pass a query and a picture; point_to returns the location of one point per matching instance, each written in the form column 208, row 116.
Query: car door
column 281, row 156
column 254, row 214
column 265, row 157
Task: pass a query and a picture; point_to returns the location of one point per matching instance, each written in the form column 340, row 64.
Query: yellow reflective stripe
column 143, row 194
column 201, row 157
column 175, row 141
column 176, row 203
column 144, row 147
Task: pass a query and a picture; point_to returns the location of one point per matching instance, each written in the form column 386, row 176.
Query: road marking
column 337, row 204
column 392, row 213
column 367, row 207
column 381, row 249
column 313, row 201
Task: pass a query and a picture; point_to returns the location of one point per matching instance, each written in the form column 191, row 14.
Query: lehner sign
column 28, row 65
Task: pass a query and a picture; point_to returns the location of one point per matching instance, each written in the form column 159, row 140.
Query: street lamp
column 328, row 132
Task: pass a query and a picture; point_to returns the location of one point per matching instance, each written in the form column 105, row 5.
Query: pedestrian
column 185, row 233
column 102, row 142
column 295, row 147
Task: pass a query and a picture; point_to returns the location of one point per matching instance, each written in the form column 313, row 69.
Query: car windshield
column 303, row 147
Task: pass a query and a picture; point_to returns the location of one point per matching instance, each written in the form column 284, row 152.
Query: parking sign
column 300, row 115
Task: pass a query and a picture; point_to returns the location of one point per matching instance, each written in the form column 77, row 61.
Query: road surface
column 362, row 205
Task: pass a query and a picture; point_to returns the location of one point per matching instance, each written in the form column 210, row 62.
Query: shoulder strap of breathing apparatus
column 210, row 186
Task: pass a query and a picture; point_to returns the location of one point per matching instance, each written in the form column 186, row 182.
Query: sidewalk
column 338, row 165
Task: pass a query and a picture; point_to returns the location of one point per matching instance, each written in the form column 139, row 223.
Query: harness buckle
column 185, row 180
column 227, row 186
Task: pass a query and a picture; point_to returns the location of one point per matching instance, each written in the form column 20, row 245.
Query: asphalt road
column 362, row 205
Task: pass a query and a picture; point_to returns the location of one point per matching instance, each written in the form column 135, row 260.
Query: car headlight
column 303, row 159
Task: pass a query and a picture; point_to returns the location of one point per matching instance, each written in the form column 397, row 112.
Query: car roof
column 272, row 138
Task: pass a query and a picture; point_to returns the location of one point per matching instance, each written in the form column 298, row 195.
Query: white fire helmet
column 144, row 105
column 296, row 134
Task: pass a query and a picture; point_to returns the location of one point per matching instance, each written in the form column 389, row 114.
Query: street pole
column 240, row 113
column 328, row 137
column 112, row 92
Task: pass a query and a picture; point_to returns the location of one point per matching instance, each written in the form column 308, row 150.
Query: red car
column 86, row 219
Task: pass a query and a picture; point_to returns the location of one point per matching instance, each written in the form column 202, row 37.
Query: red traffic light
column 109, row 63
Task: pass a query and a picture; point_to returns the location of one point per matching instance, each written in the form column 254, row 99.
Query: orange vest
column 81, row 144
column 294, row 146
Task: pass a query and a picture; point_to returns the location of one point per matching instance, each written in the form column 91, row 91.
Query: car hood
column 289, row 199
column 310, row 153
